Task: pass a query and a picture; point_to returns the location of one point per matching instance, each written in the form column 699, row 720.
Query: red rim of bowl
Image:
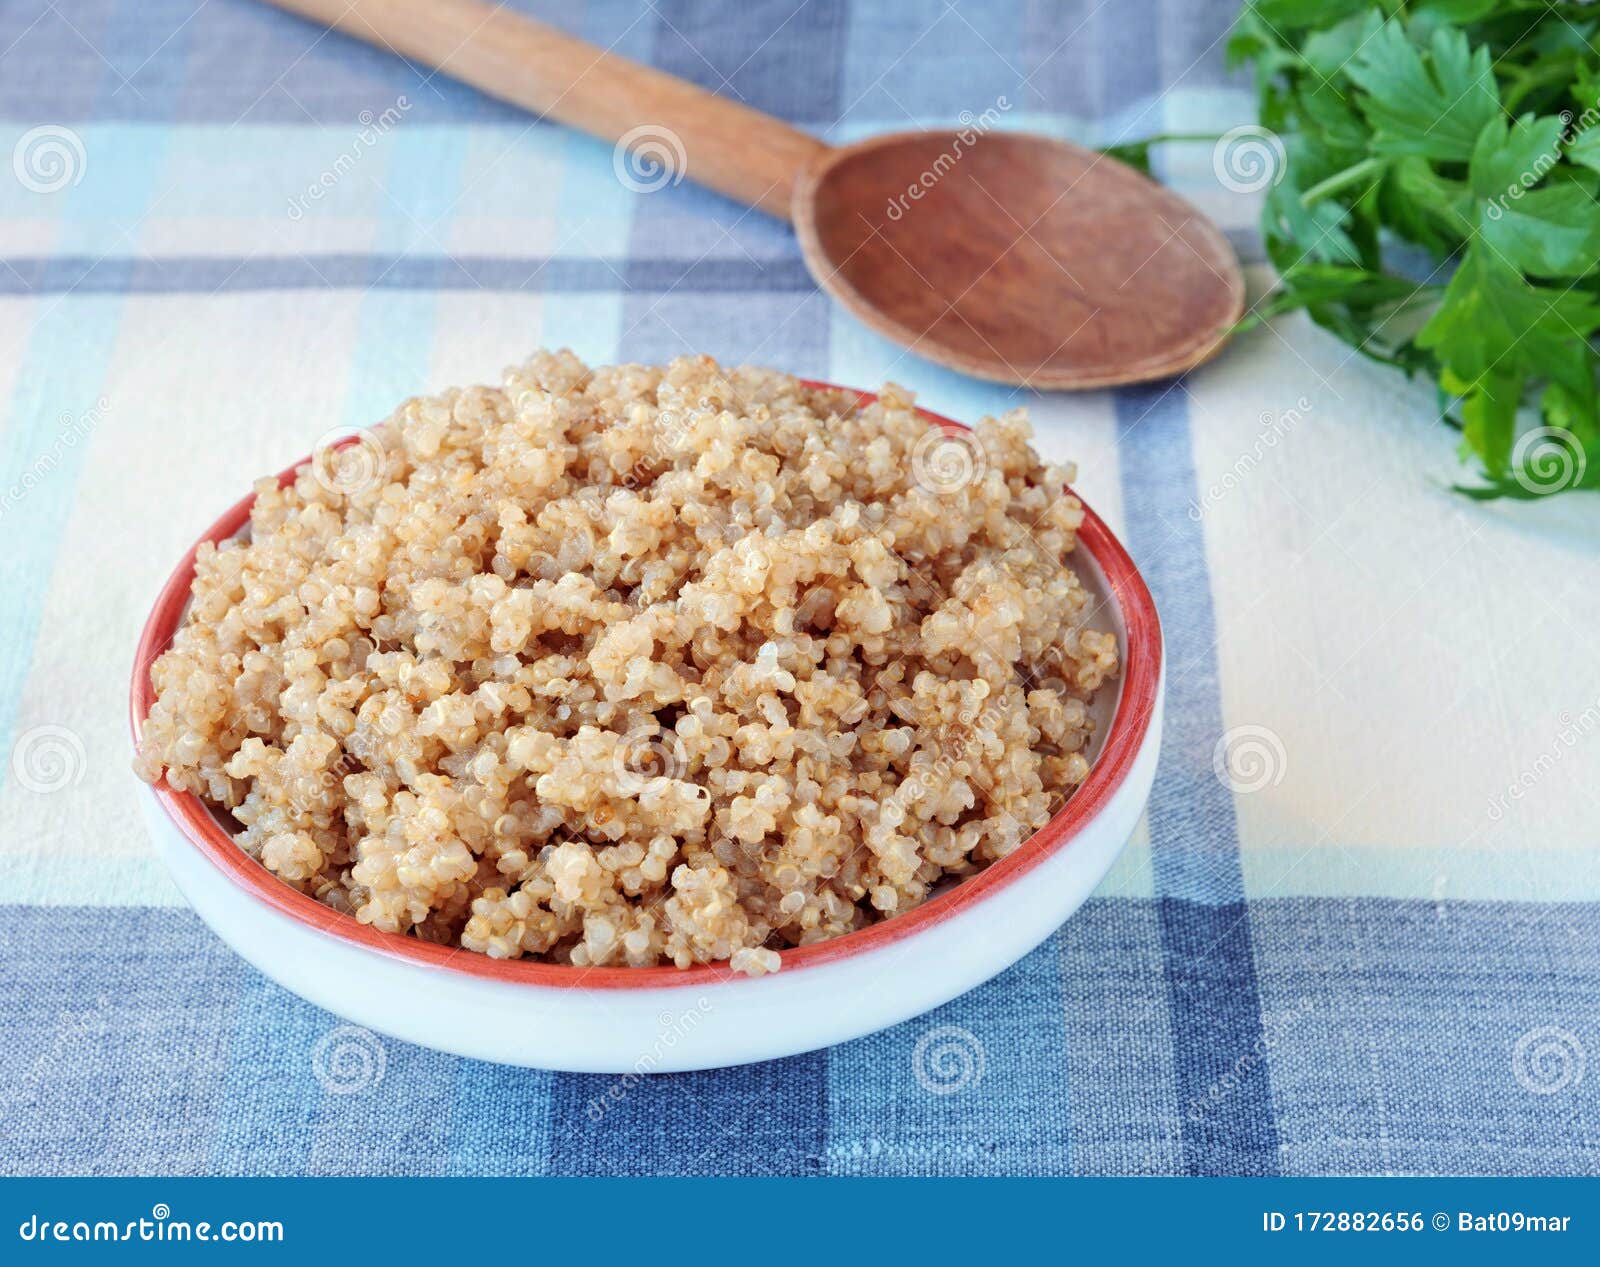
column 1141, row 672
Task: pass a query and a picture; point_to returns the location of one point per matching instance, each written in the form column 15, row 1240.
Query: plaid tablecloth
column 1371, row 945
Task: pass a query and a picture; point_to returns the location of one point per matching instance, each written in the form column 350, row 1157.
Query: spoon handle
column 731, row 148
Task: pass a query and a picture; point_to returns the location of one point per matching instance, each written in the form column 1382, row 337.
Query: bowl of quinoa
column 641, row 678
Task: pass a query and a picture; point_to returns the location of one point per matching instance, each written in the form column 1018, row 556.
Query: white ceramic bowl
column 661, row 1020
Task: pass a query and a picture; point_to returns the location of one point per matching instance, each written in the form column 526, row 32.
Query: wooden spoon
column 1007, row 256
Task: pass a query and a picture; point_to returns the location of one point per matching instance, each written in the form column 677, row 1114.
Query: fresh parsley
column 1469, row 129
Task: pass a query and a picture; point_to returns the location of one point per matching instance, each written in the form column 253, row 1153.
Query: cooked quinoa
column 639, row 664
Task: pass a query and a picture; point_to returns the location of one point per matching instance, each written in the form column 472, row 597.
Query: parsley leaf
column 1492, row 318
column 1435, row 109
column 1551, row 231
column 1440, row 207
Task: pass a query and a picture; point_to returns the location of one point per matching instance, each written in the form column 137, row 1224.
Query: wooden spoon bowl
column 1018, row 258
column 1015, row 258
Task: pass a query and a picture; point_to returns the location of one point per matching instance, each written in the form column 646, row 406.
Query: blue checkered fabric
column 1384, row 959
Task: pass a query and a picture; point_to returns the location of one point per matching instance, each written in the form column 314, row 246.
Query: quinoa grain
column 637, row 665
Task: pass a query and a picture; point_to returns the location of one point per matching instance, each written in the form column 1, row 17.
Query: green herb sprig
column 1469, row 129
